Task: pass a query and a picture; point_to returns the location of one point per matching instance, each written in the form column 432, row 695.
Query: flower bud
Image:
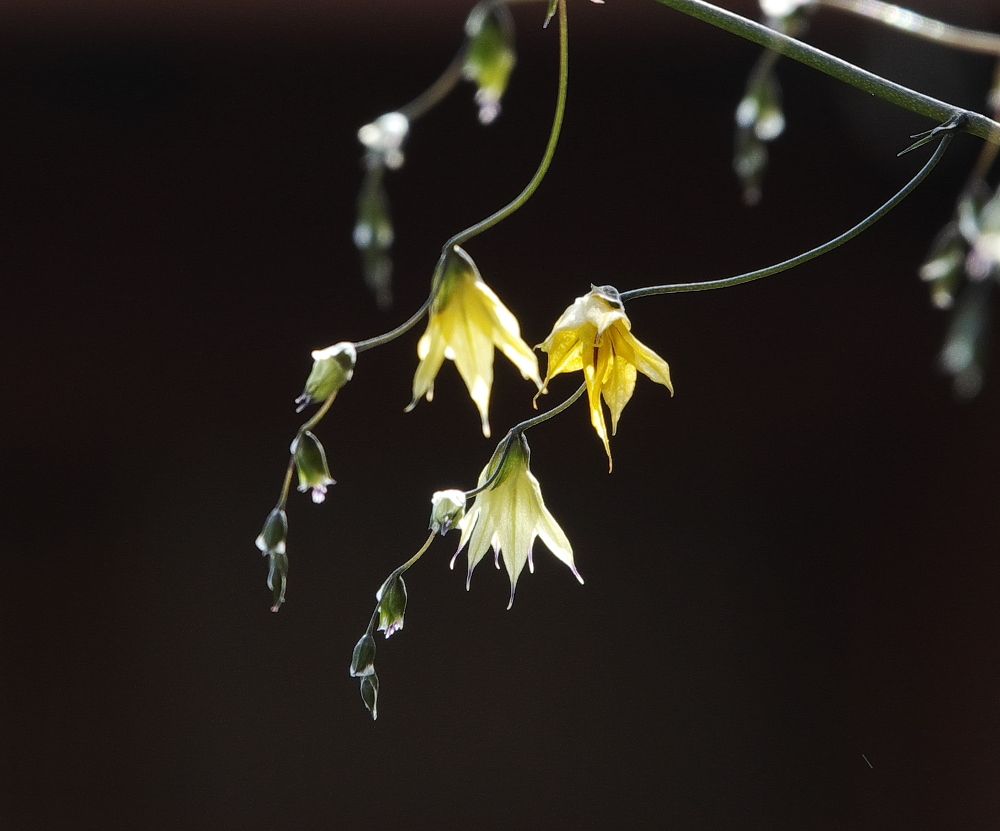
column 277, row 579
column 369, row 694
column 363, row 659
column 447, row 509
column 391, row 599
column 273, row 535
column 384, row 138
column 373, row 236
column 310, row 461
column 490, row 57
column 332, row 368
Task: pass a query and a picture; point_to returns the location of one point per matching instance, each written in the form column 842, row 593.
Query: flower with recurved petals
column 467, row 320
column 594, row 334
column 509, row 515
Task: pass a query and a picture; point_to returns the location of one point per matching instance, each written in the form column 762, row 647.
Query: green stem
column 438, row 91
column 499, row 216
column 970, row 40
column 940, row 111
column 825, row 248
column 520, row 428
column 508, row 209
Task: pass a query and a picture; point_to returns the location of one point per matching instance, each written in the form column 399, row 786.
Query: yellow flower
column 594, row 334
column 466, row 321
column 509, row 515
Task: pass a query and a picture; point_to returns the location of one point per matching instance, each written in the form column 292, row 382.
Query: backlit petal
column 620, row 384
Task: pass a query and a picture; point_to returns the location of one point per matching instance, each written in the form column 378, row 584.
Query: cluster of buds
column 332, row 368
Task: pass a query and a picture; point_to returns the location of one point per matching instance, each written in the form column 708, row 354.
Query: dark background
column 793, row 567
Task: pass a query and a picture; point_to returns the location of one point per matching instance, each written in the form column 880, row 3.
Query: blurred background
column 790, row 614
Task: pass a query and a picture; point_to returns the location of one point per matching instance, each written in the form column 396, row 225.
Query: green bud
column 332, row 368
column 490, row 57
column 373, row 236
column 363, row 659
column 447, row 510
column 277, row 579
column 369, row 694
column 273, row 535
column 310, row 461
column 391, row 599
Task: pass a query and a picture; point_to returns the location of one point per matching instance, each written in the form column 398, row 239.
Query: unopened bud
column 310, row 461
column 332, row 368
column 273, row 535
column 369, row 694
column 447, row 509
column 490, row 57
column 391, row 599
column 277, row 579
column 363, row 659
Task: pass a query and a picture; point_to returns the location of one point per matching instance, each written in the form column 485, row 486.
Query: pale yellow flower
column 508, row 516
column 467, row 320
column 594, row 334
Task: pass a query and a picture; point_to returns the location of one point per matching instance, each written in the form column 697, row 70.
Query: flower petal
column 550, row 533
column 620, row 383
column 430, row 350
column 593, row 373
column 506, row 333
column 467, row 331
column 648, row 362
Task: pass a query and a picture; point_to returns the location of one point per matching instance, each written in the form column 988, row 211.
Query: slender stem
column 550, row 149
column 520, row 428
column 970, row 40
column 286, row 485
column 940, row 111
column 507, row 210
column 825, row 248
column 527, row 424
column 420, row 553
column 402, row 329
column 438, row 91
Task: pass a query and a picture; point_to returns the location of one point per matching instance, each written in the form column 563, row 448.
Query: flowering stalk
column 507, row 210
column 897, row 17
column 946, row 133
column 940, row 111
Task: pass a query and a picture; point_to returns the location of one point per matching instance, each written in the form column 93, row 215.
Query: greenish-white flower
column 509, row 516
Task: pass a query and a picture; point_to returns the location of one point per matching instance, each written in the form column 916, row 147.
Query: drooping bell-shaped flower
column 594, row 335
column 509, row 516
column 466, row 322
